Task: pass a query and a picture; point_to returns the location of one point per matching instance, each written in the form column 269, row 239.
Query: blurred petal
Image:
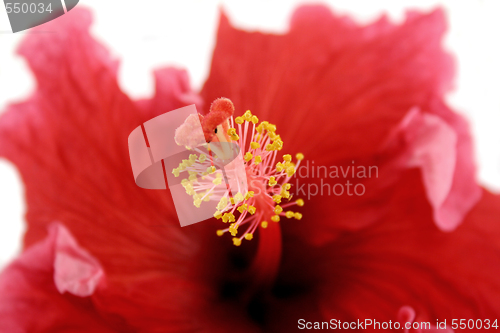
column 336, row 91
column 405, row 260
column 29, row 297
column 328, row 78
column 69, row 141
column 448, row 174
column 172, row 91
column 75, row 270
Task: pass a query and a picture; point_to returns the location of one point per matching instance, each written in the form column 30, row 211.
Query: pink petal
column 31, row 299
column 75, row 270
column 432, row 145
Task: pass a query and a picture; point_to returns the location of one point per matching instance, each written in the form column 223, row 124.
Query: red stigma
column 221, row 109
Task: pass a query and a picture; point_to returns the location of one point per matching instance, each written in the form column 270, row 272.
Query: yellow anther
column 252, row 209
column 278, row 144
column 236, row 241
column 233, row 229
column 248, row 236
column 217, row 215
column 249, row 195
column 238, row 197
column 220, row 232
column 299, row 156
column 277, row 198
column 260, row 128
column 289, row 214
column 191, row 172
column 287, row 186
column 222, row 203
column 248, row 156
column 300, row 202
column 217, row 181
column 211, row 169
column 285, row 194
column 218, row 175
column 192, row 177
column 271, row 127
column 290, row 171
column 278, row 209
column 193, row 157
column 235, row 137
column 269, row 147
column 287, row 157
column 254, row 145
column 231, row 131
column 202, row 158
column 254, row 119
column 232, row 200
column 175, row 172
column 275, row 218
column 185, row 182
column 272, row 181
column 239, row 120
column 279, row 167
column 228, row 217
column 242, row 208
column 257, row 159
column 264, row 224
column 298, row 216
column 247, row 115
column 197, row 203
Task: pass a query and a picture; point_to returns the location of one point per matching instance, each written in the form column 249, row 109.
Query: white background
column 147, row 34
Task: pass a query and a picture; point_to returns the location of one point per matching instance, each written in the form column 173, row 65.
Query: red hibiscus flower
column 103, row 255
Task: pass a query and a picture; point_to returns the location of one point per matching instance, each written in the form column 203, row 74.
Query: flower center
column 267, row 173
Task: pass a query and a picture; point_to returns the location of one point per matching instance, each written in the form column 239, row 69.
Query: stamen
column 267, row 177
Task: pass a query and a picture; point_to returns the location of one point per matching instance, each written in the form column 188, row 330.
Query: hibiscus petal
column 405, row 260
column 407, row 315
column 75, row 270
column 328, row 78
column 447, row 169
column 69, row 141
column 31, row 299
column 172, row 91
column 336, row 91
